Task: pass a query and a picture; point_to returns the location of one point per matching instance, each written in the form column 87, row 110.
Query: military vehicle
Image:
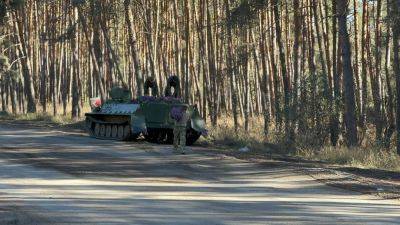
column 123, row 119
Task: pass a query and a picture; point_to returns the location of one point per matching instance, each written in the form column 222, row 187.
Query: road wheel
column 120, row 134
column 97, row 130
column 102, row 130
column 108, row 131
column 114, row 131
column 88, row 124
column 127, row 131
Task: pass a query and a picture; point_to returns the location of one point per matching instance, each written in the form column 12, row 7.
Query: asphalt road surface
column 54, row 177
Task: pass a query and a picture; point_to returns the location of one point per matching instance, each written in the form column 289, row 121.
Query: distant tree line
column 328, row 69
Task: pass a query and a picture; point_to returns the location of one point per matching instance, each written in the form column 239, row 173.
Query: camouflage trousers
column 179, row 138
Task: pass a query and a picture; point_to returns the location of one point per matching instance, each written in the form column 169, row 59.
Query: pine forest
column 324, row 73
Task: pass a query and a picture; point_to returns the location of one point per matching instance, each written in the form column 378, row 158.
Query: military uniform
column 151, row 84
column 173, row 82
column 180, row 132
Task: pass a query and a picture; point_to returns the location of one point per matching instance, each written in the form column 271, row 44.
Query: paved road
column 63, row 178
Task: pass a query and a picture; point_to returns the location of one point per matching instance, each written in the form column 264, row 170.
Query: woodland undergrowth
column 309, row 146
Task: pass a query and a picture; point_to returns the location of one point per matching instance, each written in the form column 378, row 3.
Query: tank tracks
column 110, row 131
column 122, row 132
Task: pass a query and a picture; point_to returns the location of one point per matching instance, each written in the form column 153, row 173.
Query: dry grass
column 40, row 117
column 361, row 157
column 225, row 134
column 368, row 156
column 46, row 117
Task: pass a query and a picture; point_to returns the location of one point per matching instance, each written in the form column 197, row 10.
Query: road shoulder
column 380, row 183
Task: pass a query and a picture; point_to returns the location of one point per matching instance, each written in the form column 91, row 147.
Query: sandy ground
column 53, row 177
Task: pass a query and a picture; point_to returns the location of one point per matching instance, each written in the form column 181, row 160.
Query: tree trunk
column 231, row 71
column 364, row 93
column 284, row 73
column 296, row 62
column 334, row 120
column 350, row 117
column 376, row 77
column 396, row 61
column 264, row 81
column 134, row 51
column 3, row 100
column 25, row 63
column 96, row 65
column 75, row 72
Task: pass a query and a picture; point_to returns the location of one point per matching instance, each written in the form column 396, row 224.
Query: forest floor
column 89, row 164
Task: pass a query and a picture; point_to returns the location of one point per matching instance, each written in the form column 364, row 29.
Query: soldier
column 181, row 117
column 173, row 82
column 151, row 84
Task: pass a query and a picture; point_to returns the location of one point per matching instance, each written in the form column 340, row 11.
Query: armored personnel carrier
column 123, row 119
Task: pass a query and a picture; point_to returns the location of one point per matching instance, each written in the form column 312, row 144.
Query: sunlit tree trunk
column 25, row 61
column 75, row 70
column 133, row 47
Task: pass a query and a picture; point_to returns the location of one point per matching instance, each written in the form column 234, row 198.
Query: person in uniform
column 151, row 84
column 173, row 82
column 181, row 118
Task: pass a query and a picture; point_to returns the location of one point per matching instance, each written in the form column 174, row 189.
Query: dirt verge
column 382, row 183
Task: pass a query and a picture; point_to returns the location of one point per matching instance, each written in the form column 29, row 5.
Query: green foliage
column 6, row 43
column 4, row 63
column 246, row 13
column 68, row 34
column 4, row 114
column 78, row 2
column 16, row 4
column 242, row 55
column 314, row 106
column 6, row 71
column 3, row 10
column 12, row 75
column 9, row 5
